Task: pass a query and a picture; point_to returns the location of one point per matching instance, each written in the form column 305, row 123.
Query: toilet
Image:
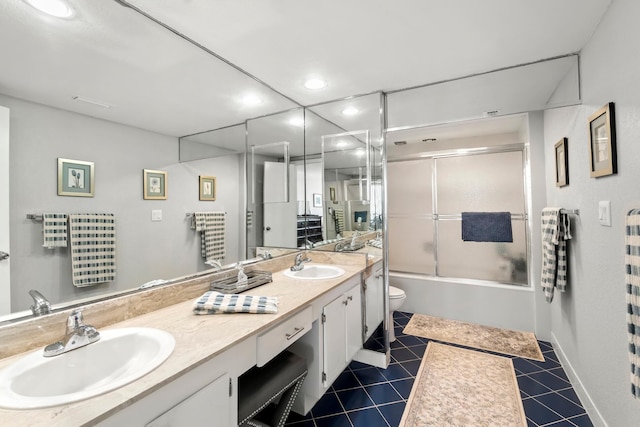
column 396, row 299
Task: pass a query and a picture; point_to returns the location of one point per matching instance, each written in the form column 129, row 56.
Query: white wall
column 145, row 250
column 588, row 321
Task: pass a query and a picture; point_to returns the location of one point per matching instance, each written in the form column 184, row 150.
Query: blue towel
column 486, row 227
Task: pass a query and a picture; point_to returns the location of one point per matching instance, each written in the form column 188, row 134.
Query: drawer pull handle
column 297, row 331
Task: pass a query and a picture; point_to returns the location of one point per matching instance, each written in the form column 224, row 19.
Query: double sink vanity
column 159, row 364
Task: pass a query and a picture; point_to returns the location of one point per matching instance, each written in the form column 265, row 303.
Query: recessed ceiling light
column 297, row 121
column 57, row 8
column 315, row 84
column 350, row 111
column 251, row 100
column 341, row 143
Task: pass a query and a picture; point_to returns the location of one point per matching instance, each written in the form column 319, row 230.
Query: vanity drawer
column 281, row 336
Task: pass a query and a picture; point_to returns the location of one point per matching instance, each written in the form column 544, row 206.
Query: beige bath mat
column 460, row 387
column 505, row 341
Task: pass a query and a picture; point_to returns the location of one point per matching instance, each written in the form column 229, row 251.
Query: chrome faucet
column 214, row 263
column 40, row 304
column 77, row 335
column 266, row 255
column 299, row 262
column 356, row 234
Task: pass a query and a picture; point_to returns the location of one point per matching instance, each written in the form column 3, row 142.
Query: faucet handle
column 75, row 320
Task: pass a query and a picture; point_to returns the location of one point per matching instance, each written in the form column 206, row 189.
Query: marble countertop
column 199, row 338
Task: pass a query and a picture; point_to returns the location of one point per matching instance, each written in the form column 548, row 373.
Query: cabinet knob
column 268, row 228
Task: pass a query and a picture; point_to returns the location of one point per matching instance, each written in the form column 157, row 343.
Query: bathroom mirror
column 120, row 96
column 344, row 153
column 345, row 137
column 275, row 180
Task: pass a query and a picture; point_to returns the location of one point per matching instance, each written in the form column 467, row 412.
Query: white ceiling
column 155, row 80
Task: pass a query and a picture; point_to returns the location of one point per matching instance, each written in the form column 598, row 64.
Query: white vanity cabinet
column 208, row 406
column 342, row 333
column 373, row 300
column 335, row 337
column 205, row 395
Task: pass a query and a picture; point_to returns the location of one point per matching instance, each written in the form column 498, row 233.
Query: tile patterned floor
column 365, row 396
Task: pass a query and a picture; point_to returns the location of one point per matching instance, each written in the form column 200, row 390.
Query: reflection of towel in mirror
column 555, row 233
column 486, row 227
column 211, row 226
column 54, row 230
column 214, row 302
column 93, row 248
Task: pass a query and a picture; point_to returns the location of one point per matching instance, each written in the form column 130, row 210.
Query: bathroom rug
column 504, row 341
column 460, row 387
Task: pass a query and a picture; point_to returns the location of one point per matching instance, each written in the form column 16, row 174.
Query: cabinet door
column 335, row 339
column 213, row 399
column 353, row 326
column 373, row 298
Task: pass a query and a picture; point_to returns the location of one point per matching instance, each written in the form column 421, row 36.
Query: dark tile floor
column 365, row 396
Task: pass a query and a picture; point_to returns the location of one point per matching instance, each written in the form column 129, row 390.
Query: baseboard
column 581, row 391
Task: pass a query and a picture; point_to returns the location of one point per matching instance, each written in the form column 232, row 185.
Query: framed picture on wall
column 154, row 185
column 207, row 188
column 562, row 163
column 332, row 193
column 317, row 200
column 75, row 178
column 602, row 137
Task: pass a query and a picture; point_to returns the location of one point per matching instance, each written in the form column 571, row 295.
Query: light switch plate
column 156, row 215
column 604, row 213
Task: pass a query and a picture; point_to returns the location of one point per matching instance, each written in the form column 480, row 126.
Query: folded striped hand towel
column 213, row 302
column 54, row 230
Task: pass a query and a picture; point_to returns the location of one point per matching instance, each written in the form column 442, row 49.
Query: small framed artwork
column 602, row 137
column 154, row 185
column 75, row 178
column 317, row 200
column 207, row 188
column 562, row 163
column 332, row 193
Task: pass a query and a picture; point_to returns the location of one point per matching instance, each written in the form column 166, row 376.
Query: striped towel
column 54, row 230
column 93, row 248
column 339, row 220
column 213, row 302
column 211, row 226
column 555, row 233
column 632, row 279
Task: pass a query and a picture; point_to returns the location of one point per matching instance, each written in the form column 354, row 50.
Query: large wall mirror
column 120, row 97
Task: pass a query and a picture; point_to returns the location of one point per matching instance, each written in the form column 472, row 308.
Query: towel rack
column 190, row 214
column 35, row 217
column 570, row 211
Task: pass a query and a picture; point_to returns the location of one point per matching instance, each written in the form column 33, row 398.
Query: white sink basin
column 121, row 356
column 315, row 271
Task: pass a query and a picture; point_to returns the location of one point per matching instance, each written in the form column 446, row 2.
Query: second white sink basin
column 120, row 357
column 315, row 271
